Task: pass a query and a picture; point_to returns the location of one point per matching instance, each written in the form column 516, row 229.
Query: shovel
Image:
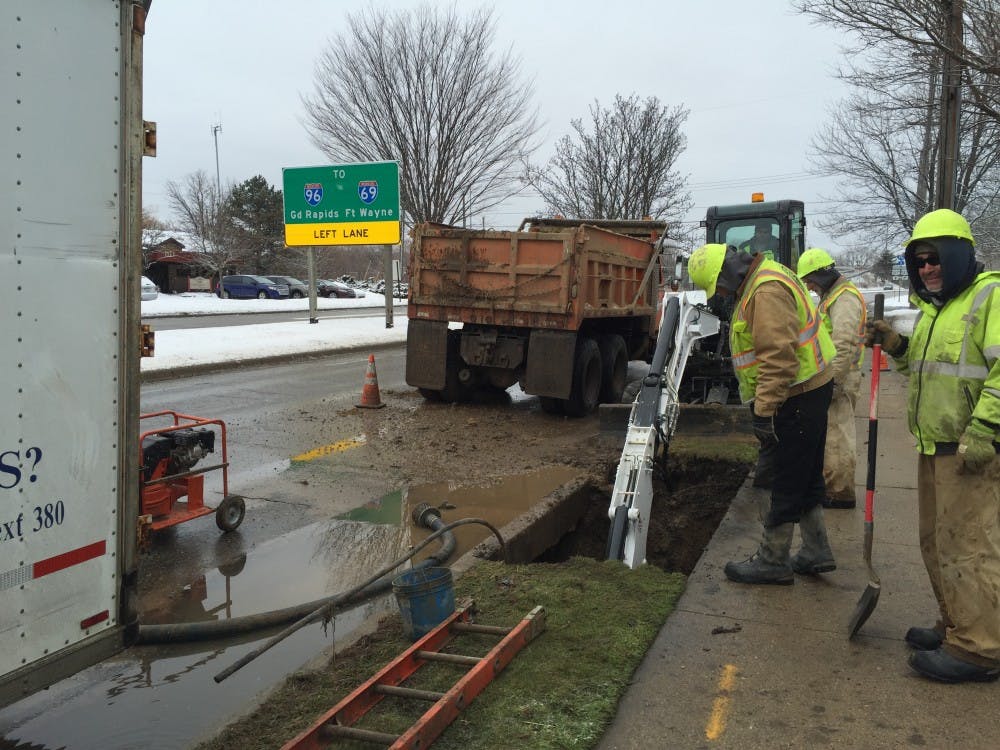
column 866, row 604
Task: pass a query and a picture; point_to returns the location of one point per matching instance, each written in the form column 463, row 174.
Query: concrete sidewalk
column 771, row 667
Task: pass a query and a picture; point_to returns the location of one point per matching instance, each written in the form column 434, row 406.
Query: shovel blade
column 863, row 609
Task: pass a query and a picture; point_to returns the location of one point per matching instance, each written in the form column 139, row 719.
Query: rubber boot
column 815, row 556
column 769, row 564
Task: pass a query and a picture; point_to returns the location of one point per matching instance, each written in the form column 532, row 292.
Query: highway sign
column 342, row 204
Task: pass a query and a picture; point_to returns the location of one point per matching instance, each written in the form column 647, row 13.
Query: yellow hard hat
column 941, row 223
column 811, row 260
column 705, row 265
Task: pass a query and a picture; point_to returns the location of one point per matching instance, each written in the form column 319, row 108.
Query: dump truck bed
column 552, row 277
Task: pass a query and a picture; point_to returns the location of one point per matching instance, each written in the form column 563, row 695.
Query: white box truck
column 70, row 205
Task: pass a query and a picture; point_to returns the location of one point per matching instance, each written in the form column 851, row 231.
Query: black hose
column 423, row 515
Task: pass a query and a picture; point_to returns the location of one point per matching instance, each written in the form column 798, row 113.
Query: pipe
column 423, row 515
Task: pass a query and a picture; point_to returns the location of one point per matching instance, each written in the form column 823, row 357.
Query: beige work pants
column 960, row 544
column 840, row 455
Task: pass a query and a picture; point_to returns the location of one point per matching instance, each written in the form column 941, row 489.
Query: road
column 176, row 322
column 259, row 403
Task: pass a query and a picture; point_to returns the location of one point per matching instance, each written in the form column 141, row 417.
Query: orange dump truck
column 558, row 306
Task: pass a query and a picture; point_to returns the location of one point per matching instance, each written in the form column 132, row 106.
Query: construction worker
column 762, row 240
column 781, row 355
column 843, row 310
column 953, row 361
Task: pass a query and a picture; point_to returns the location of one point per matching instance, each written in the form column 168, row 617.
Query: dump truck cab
column 776, row 228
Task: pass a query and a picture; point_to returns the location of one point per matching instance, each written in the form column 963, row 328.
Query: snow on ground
column 244, row 343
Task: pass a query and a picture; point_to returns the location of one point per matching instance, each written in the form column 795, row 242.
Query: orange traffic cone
column 370, row 398
column 883, row 364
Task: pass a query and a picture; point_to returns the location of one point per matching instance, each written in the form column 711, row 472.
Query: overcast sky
column 757, row 79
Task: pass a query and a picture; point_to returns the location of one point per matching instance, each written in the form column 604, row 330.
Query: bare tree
column 622, row 167
column 921, row 26
column 424, row 88
column 882, row 141
column 198, row 208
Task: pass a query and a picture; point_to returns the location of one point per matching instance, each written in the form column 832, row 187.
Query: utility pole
column 216, row 129
column 951, row 107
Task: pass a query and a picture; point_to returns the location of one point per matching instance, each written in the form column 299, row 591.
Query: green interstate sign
column 342, row 204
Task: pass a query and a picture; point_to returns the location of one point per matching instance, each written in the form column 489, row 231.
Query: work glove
column 763, row 428
column 975, row 448
column 880, row 332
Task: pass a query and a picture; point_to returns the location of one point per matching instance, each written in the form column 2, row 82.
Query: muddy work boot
column 815, row 556
column 769, row 564
column 924, row 639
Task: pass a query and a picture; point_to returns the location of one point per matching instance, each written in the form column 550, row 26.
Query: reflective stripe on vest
column 810, row 342
column 962, row 369
column 843, row 285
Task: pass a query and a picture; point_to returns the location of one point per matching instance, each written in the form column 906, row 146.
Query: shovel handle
column 873, row 417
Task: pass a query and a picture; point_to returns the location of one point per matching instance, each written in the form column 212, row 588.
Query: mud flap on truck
column 550, row 363
column 427, row 354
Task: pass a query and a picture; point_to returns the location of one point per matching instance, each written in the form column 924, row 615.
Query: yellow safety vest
column 814, row 349
column 843, row 285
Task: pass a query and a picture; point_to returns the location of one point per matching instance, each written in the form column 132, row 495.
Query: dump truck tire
column 614, row 368
column 586, row 391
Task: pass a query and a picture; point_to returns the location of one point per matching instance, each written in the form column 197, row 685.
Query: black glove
column 763, row 428
column 880, row 332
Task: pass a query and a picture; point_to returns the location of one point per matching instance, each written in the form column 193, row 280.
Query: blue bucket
column 426, row 597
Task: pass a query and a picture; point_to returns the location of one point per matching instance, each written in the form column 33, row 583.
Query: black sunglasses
column 930, row 260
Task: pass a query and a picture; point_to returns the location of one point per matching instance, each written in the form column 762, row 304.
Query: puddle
column 497, row 503
column 387, row 509
column 113, row 705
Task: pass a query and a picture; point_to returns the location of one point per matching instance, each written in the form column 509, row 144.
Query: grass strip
column 559, row 692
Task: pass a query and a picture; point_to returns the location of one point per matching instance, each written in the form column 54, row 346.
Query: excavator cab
column 776, row 228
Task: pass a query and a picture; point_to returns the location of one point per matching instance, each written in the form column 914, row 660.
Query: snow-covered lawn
column 200, row 346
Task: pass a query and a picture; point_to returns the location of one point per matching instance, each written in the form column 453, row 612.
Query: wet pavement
column 165, row 697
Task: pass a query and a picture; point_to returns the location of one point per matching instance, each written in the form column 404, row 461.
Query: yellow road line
column 326, row 450
column 720, row 708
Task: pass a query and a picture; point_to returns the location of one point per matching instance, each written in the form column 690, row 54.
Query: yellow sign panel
column 360, row 233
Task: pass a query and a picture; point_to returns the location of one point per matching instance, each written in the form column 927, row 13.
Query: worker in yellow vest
column 842, row 308
column 781, row 355
column 953, row 361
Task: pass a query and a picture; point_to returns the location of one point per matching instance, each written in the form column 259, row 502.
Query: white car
column 149, row 289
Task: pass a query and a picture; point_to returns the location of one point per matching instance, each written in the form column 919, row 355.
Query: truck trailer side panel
column 72, row 127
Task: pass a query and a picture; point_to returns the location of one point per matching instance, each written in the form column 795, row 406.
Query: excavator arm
column 651, row 425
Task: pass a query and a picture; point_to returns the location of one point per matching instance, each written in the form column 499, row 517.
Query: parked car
column 148, row 290
column 296, row 289
column 245, row 286
column 331, row 288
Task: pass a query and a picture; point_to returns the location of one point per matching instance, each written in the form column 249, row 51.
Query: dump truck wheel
column 454, row 390
column 229, row 514
column 586, row 391
column 614, row 368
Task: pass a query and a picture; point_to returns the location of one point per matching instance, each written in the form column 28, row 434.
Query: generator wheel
column 586, row 391
column 614, row 368
column 229, row 514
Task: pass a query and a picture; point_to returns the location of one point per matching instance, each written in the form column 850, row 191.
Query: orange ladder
column 338, row 721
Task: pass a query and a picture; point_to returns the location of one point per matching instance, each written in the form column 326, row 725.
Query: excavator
column 691, row 362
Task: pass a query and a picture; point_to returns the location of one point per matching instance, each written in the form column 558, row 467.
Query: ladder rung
column 469, row 661
column 471, row 627
column 402, row 692
column 333, row 731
